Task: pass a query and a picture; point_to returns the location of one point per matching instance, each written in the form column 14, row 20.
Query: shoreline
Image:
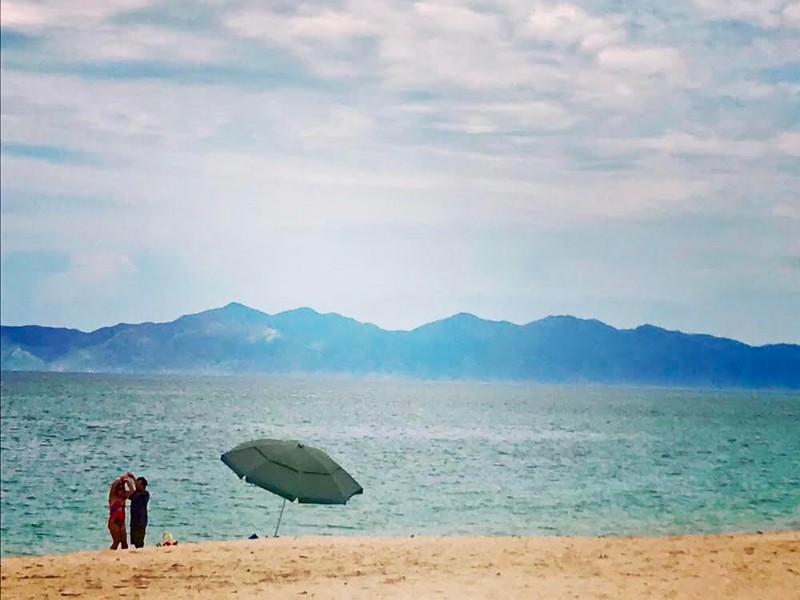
column 732, row 565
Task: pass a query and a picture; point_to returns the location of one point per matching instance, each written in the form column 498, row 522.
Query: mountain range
column 236, row 339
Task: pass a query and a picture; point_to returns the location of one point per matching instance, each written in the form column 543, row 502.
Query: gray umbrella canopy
column 292, row 470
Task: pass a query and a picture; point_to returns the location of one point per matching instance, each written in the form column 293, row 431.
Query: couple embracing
column 126, row 487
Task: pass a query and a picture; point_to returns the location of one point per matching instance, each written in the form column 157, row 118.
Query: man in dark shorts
column 139, row 501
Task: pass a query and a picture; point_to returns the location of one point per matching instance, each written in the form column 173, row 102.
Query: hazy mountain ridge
column 239, row 339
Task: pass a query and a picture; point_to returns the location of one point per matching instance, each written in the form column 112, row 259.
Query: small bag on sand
column 167, row 540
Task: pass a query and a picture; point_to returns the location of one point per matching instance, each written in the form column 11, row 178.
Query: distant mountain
column 239, row 339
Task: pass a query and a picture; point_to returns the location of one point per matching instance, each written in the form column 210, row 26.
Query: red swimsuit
column 116, row 512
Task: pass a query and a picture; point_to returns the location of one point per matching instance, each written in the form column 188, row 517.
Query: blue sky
column 399, row 162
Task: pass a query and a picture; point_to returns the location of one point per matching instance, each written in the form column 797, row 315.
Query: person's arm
column 130, row 493
column 123, row 477
column 118, row 487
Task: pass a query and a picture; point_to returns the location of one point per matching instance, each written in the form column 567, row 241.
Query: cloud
column 99, row 267
column 141, row 42
column 77, row 30
column 337, row 122
column 788, row 142
column 48, row 153
column 294, row 29
column 787, row 211
column 568, row 24
column 97, row 274
column 321, row 38
column 639, row 60
column 23, row 15
column 764, row 13
column 709, row 144
column 447, row 44
column 333, row 133
column 32, row 16
column 500, row 118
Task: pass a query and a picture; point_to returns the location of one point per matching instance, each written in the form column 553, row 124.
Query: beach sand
column 692, row 566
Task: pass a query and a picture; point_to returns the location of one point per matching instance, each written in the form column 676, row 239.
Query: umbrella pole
column 280, row 516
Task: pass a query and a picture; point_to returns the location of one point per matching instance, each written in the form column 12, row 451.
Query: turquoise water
column 433, row 458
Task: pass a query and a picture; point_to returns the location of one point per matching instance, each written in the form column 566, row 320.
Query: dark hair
column 142, row 480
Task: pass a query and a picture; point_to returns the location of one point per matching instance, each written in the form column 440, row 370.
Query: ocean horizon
column 434, row 458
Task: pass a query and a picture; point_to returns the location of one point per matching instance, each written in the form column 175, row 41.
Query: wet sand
column 760, row 566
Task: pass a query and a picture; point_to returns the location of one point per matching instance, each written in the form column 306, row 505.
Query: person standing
column 139, row 501
column 120, row 490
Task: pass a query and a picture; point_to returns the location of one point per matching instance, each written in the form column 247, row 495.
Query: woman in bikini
column 117, row 495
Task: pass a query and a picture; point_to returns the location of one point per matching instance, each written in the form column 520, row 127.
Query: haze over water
column 433, row 457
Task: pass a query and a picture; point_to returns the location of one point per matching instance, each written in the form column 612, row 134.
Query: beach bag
column 167, row 540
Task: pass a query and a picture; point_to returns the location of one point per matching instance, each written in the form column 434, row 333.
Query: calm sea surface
column 433, row 458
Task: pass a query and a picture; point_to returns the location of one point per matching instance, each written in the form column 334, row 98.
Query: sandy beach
column 693, row 566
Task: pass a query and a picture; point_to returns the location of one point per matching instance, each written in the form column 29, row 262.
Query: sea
column 434, row 458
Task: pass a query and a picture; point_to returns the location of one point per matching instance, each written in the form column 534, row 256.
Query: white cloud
column 94, row 272
column 384, row 121
column 141, row 42
column 505, row 117
column 267, row 334
column 23, row 15
column 320, row 38
column 640, row 59
column 766, row 13
column 93, row 280
column 457, row 20
column 86, row 30
column 788, row 211
column 708, row 144
column 790, row 14
column 288, row 28
column 332, row 123
column 111, row 117
column 443, row 44
column 788, row 142
column 569, row 24
column 62, row 13
column 98, row 267
column 418, row 44
column 440, row 63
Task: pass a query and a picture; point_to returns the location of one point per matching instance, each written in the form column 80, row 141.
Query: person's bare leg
column 118, row 536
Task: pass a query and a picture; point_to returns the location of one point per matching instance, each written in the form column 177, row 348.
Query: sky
column 398, row 162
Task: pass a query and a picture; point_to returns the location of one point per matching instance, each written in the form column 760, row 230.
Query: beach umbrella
column 293, row 471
